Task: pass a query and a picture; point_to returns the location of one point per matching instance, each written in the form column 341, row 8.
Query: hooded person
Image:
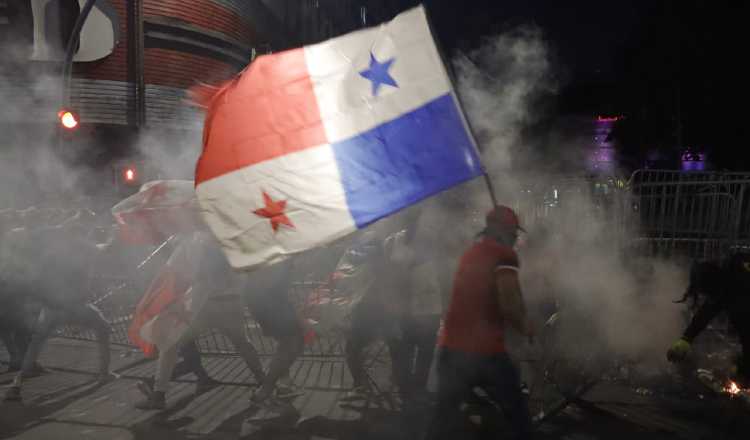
column 486, row 299
column 719, row 288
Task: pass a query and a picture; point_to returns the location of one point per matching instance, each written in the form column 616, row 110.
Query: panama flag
column 308, row 145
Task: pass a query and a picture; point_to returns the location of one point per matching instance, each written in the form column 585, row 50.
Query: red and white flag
column 159, row 210
column 170, row 305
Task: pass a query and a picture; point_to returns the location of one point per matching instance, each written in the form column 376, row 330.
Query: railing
column 657, row 213
column 654, row 212
column 118, row 305
column 698, row 215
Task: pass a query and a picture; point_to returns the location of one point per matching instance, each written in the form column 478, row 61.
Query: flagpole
column 454, row 93
column 490, row 188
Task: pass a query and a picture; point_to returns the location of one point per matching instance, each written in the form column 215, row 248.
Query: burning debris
column 723, row 386
column 732, row 389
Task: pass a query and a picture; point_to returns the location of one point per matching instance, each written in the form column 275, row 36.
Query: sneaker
column 204, row 385
column 357, row 394
column 154, row 401
column 146, row 386
column 260, row 396
column 268, row 409
column 106, row 377
column 13, row 366
column 36, row 371
column 13, row 394
column 286, row 389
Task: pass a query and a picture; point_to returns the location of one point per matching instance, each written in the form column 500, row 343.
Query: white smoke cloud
column 620, row 303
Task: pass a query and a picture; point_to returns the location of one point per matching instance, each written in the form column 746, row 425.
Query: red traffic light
column 129, row 174
column 68, row 119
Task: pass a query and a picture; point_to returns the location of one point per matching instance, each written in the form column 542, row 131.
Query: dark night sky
column 584, row 33
column 672, row 67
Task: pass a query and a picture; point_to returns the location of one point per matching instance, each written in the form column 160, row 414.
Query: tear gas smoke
column 505, row 87
column 613, row 304
column 44, row 182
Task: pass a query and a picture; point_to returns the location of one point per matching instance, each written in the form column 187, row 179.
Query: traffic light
column 129, row 175
column 68, row 119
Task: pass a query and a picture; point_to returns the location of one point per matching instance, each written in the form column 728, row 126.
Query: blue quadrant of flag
column 406, row 160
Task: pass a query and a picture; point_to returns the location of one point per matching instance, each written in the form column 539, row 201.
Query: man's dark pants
column 14, row 331
column 459, row 373
column 370, row 322
column 52, row 318
column 419, row 339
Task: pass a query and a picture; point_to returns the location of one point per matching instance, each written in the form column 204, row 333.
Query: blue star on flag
column 378, row 74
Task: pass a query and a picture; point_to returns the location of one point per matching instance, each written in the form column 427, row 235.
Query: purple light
column 693, row 165
column 604, row 155
column 689, row 156
column 693, row 161
column 601, row 156
column 608, row 118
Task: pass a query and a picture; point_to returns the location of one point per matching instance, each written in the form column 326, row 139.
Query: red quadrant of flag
column 270, row 110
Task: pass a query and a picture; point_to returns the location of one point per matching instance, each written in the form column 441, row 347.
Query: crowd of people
column 397, row 291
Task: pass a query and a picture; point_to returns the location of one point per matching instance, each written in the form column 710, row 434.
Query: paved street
column 67, row 403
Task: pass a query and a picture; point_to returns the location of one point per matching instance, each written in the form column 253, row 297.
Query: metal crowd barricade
column 693, row 214
column 668, row 214
column 116, row 297
column 568, row 204
column 117, row 305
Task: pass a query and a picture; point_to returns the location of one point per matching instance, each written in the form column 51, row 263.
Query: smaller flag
column 166, row 311
column 161, row 293
column 159, row 210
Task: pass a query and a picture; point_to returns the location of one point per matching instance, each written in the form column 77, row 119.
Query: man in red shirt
column 486, row 298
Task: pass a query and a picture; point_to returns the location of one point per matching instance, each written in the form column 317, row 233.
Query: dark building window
column 16, row 24
column 61, row 16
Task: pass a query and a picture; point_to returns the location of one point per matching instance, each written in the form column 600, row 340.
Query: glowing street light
column 129, row 175
column 68, row 119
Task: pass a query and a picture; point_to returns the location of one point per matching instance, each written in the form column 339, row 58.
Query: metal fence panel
column 656, row 213
column 697, row 215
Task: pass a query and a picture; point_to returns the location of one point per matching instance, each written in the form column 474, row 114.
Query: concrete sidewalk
column 68, row 400
column 66, row 403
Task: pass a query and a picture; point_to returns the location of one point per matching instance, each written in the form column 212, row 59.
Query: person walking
column 485, row 300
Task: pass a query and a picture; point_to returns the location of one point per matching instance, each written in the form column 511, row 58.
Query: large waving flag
column 308, row 145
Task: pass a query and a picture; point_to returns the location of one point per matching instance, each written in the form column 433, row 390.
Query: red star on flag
column 274, row 211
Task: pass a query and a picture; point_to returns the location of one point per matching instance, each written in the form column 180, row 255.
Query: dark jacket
column 726, row 288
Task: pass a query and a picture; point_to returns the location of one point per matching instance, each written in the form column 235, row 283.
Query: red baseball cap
column 503, row 216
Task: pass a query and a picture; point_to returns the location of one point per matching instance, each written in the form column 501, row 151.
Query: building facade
column 135, row 60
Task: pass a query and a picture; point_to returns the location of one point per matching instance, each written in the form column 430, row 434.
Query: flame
column 732, row 388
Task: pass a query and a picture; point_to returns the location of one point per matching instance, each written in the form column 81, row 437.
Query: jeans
column 459, row 373
column 225, row 315
column 14, row 331
column 370, row 322
column 419, row 339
